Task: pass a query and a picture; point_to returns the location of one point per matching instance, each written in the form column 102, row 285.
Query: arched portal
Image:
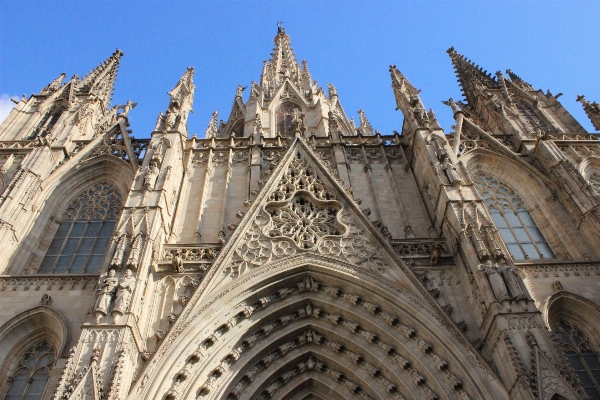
column 309, row 325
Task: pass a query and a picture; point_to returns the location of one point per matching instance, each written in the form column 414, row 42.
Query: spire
column 365, row 126
column 592, row 110
column 212, row 129
column 101, row 80
column 182, row 97
column 403, row 86
column 283, row 64
column 471, row 77
column 305, row 75
column 54, row 85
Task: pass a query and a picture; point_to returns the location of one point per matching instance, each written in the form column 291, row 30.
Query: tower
column 291, row 254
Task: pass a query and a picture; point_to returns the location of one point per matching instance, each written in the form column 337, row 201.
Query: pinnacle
column 471, row 77
column 106, row 71
column 516, row 79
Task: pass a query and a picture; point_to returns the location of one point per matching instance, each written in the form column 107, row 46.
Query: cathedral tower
column 293, row 253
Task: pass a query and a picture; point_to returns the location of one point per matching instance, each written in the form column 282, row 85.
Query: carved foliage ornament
column 303, row 215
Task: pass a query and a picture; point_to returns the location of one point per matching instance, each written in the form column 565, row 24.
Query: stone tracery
column 302, row 214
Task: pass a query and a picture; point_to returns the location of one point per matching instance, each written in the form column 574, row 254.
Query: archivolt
column 261, row 336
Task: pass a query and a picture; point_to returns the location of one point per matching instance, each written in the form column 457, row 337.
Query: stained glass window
column 584, row 359
column 30, row 379
column 519, row 231
column 83, row 236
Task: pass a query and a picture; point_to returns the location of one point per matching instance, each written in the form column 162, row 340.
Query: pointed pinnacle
column 471, row 77
column 106, row 70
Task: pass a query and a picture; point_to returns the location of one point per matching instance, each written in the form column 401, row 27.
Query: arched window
column 584, row 359
column 283, row 118
column 529, row 115
column 520, row 233
column 83, row 236
column 29, row 380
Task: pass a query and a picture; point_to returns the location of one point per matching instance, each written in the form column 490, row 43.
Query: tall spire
column 101, row 80
column 283, row 65
column 592, row 110
column 471, row 77
column 516, row 79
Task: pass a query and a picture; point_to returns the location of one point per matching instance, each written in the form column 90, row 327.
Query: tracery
column 519, row 231
column 583, row 357
column 83, row 236
column 29, row 381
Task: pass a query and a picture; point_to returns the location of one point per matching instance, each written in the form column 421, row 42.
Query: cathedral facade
column 294, row 253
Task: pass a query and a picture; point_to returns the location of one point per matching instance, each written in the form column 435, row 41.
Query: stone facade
column 290, row 254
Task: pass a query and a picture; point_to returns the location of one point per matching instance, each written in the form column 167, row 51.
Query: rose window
column 305, row 221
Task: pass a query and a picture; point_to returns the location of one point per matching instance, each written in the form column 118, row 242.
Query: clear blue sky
column 553, row 45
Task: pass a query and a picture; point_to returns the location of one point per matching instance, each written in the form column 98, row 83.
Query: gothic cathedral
column 294, row 253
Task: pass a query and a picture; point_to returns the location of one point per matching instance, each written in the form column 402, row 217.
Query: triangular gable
column 289, row 91
column 303, row 209
column 549, row 380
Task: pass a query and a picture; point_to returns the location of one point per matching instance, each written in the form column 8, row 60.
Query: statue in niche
column 496, row 281
column 151, row 176
column 177, row 262
column 123, row 295
column 450, row 170
column 172, row 113
column 511, row 279
column 106, row 293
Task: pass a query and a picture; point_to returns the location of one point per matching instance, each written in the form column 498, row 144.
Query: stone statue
column 177, row 262
column 123, row 298
column 106, row 293
column 450, row 171
column 511, row 279
column 151, row 176
column 496, row 281
column 172, row 113
column 239, row 90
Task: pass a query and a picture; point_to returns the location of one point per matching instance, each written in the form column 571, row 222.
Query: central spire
column 284, row 65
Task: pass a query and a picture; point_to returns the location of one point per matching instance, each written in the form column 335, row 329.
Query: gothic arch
column 535, row 190
column 23, row 331
column 59, row 191
column 572, row 307
column 390, row 322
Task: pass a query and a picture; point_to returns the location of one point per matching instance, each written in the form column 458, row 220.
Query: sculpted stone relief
column 301, row 214
column 370, row 339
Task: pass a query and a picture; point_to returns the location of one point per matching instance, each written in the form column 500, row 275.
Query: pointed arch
column 383, row 322
column 25, row 331
column 536, row 192
column 569, row 306
column 60, row 189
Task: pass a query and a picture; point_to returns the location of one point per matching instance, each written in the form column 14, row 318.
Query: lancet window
column 83, row 236
column 529, row 115
column 583, row 357
column 283, row 118
column 519, row 231
column 29, row 381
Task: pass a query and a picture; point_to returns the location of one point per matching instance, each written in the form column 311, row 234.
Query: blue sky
column 553, row 45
